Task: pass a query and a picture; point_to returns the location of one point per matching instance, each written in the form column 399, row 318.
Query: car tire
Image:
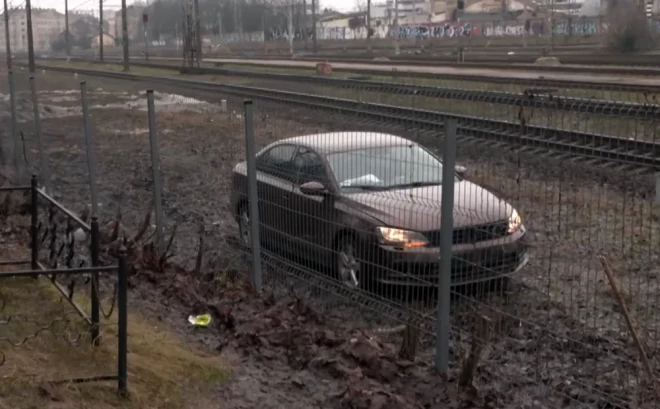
column 243, row 220
column 501, row 285
column 348, row 266
column 494, row 286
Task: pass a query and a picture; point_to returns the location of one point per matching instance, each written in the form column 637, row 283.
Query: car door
column 312, row 217
column 276, row 175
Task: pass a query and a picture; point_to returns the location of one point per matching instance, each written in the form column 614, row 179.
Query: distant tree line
column 81, row 32
column 166, row 17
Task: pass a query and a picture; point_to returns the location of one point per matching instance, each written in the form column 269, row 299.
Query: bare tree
column 628, row 29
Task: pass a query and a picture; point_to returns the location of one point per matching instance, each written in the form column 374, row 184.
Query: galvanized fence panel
column 551, row 197
column 306, row 236
column 586, row 208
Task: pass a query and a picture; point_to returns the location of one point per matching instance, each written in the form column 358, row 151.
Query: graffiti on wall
column 327, row 33
column 454, row 29
column 513, row 29
column 440, row 30
column 579, row 28
column 277, row 34
column 229, row 38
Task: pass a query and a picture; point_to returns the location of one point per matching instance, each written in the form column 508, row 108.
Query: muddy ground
column 299, row 345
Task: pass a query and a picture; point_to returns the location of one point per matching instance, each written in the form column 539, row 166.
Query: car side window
column 310, row 167
column 278, row 162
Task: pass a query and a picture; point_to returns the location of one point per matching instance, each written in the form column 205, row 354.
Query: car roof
column 331, row 142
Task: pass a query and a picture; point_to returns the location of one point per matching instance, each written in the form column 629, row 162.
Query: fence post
column 43, row 170
column 94, row 250
column 34, row 223
column 91, row 168
column 253, row 198
column 89, row 142
column 446, row 232
column 18, row 168
column 656, row 198
column 155, row 168
column 122, row 381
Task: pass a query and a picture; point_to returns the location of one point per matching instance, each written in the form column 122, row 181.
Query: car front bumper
column 421, row 267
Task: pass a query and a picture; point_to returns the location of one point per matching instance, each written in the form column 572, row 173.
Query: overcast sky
column 341, row 5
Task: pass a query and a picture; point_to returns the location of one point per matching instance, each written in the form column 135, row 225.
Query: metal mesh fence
column 553, row 189
column 536, row 226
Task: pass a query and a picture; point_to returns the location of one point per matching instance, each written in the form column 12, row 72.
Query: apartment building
column 47, row 24
column 409, row 11
column 111, row 19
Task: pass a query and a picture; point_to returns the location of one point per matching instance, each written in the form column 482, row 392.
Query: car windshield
column 388, row 167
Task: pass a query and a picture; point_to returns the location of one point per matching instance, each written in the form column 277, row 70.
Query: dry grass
column 163, row 372
column 571, row 222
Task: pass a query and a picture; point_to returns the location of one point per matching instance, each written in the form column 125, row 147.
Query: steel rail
column 530, row 82
column 572, row 63
column 532, row 98
column 629, row 153
column 541, row 82
column 572, row 60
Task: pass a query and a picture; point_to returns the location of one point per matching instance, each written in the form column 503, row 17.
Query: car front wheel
column 244, row 225
column 348, row 266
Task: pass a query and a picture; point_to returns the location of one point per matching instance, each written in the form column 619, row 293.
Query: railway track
column 641, row 64
column 593, row 149
column 645, row 89
column 540, row 81
column 535, row 97
column 645, row 65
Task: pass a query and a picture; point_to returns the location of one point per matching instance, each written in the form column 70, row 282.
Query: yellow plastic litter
column 201, row 320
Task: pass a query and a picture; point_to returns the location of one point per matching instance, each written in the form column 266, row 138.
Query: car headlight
column 514, row 222
column 404, row 238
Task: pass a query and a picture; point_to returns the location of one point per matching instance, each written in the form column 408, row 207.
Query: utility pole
column 236, row 30
column 304, row 31
column 145, row 21
column 396, row 27
column 198, row 33
column 190, row 56
column 124, row 35
column 291, row 28
column 314, row 25
column 263, row 30
column 552, row 25
column 101, row 30
column 66, row 27
column 28, row 12
column 369, row 25
column 7, row 37
column 176, row 36
column 220, row 25
column 240, row 21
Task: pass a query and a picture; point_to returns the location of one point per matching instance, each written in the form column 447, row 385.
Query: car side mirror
column 313, row 188
column 460, row 170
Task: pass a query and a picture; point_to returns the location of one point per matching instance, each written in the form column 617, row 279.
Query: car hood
column 419, row 208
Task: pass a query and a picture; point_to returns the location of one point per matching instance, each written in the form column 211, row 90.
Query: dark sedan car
column 367, row 207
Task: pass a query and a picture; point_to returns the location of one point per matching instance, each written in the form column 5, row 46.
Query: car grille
column 472, row 234
column 462, row 271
